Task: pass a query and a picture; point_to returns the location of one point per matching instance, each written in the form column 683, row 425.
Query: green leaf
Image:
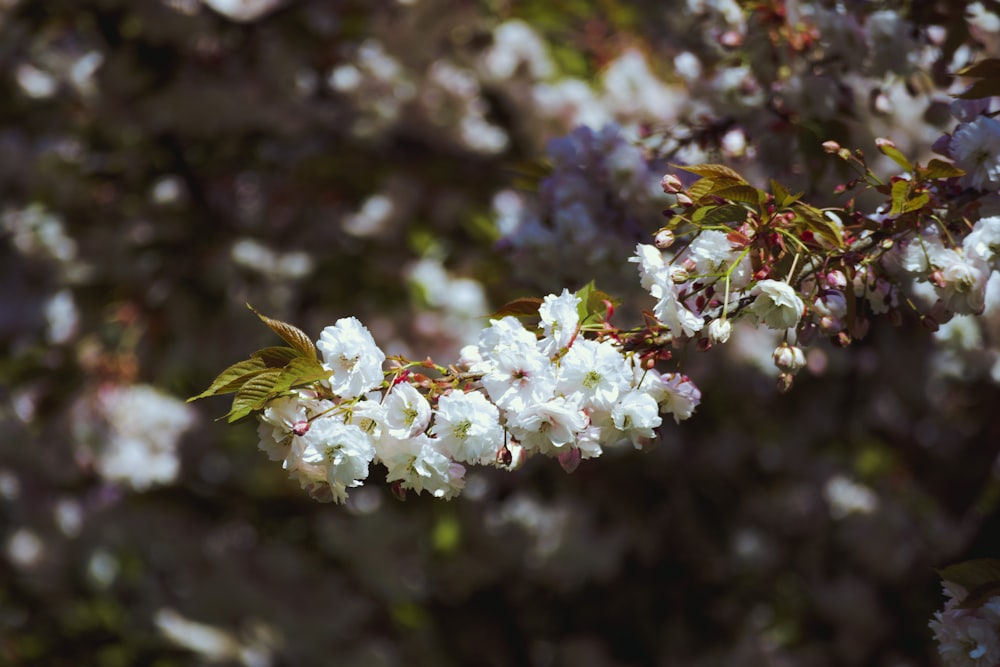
column 715, row 171
column 815, row 220
column 940, row 169
column 290, row 334
column 916, row 203
column 972, row 574
column 232, row 378
column 276, row 357
column 592, row 307
column 895, row 154
column 300, row 371
column 743, row 193
column 524, row 307
column 254, row 393
column 721, row 215
column 781, row 194
column 700, row 189
column 900, row 190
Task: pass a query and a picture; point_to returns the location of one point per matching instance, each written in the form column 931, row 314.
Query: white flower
column 636, row 415
column 682, row 396
column 515, row 372
column 559, row 321
column 350, row 352
column 342, row 452
column 549, row 426
column 719, row 331
column 419, row 464
column 713, row 253
column 468, row 427
column 963, row 288
column 589, row 442
column 777, row 304
column 670, row 312
column 135, row 430
column 975, row 147
column 984, row 241
column 652, row 268
column 658, row 279
column 407, row 412
column 284, row 419
column 965, row 639
column 597, row 372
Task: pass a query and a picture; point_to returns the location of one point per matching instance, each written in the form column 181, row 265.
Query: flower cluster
column 967, row 636
column 515, row 393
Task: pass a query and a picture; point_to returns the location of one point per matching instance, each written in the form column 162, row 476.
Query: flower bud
column 837, row 280
column 663, row 239
column 789, row 358
column 829, row 325
column 720, row 330
column 784, row 383
column 684, row 200
column 569, row 459
column 731, row 39
column 671, row 184
column 831, row 147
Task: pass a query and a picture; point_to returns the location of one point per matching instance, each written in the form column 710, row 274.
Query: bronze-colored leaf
column 289, row 333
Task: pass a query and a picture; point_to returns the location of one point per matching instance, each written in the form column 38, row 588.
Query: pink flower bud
column 663, row 239
column 570, row 459
column 829, row 325
column 789, row 358
column 836, row 279
column 831, row 147
column 671, row 184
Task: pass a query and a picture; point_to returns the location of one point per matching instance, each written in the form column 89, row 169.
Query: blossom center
column 461, row 429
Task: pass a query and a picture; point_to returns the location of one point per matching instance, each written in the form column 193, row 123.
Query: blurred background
column 417, row 163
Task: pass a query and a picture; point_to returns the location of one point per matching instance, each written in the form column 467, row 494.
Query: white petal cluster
column 777, row 304
column 967, row 637
column 467, row 426
column 660, row 280
column 133, row 432
column 551, row 391
column 351, row 353
column 963, row 279
column 559, row 321
column 975, row 147
column 714, row 255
